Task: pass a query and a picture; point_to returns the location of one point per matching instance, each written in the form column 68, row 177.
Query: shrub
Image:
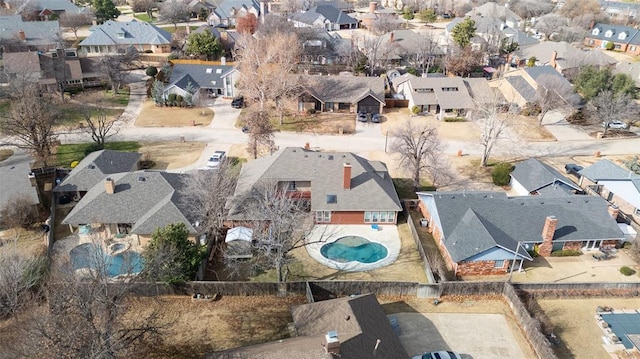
column 567, row 253
column 412, row 71
column 455, row 119
column 627, row 271
column 500, row 173
column 415, row 110
column 151, row 71
column 148, row 51
column 179, row 100
column 19, row 211
column 171, row 99
column 610, row 46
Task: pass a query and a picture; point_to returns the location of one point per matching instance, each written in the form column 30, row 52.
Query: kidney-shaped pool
column 354, row 249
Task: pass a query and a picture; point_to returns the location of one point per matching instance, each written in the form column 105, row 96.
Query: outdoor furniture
column 375, row 227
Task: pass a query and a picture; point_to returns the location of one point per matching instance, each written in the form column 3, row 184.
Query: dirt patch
column 325, row 123
column 154, row 116
column 529, row 129
column 470, row 175
column 5, row 153
column 195, row 328
column 574, row 323
column 170, row 155
column 459, row 131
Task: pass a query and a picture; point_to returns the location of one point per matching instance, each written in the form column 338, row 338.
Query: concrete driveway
column 476, row 336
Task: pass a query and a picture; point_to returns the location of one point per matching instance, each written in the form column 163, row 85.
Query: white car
column 619, row 125
column 439, row 355
column 216, row 159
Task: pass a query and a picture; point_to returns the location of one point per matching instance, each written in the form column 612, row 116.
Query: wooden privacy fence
column 391, row 102
column 418, row 243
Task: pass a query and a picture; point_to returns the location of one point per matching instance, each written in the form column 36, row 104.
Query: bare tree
column 553, row 93
column 260, row 132
column 100, row 125
column 19, row 211
column 29, row 124
column 574, row 8
column 145, row 6
column 425, row 54
column 274, row 23
column 385, row 23
column 21, row 275
column 376, row 49
column 531, row 8
column 74, row 21
column 609, row 107
column 117, row 67
column 550, row 23
column 174, row 11
column 420, row 151
column 493, row 118
column 461, row 62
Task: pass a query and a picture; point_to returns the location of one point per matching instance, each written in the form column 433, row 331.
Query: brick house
column 342, row 188
column 342, row 94
column 114, row 37
column 625, row 39
column 534, row 178
column 483, row 233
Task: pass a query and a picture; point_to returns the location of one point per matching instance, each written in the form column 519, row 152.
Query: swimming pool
column 88, row 255
column 353, row 249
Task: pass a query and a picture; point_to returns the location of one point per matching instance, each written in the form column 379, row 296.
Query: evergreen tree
column 105, row 10
column 463, row 32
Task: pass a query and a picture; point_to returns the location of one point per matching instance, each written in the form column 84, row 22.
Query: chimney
column 22, row 36
column 614, row 211
column 332, row 343
column 554, row 57
column 262, row 8
column 549, row 229
column 346, row 176
column 223, row 60
column 109, row 186
column 391, row 37
column 307, row 146
column 372, row 7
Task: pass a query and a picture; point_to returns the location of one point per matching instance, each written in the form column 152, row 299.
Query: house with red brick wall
column 486, row 233
column 342, row 188
column 625, row 39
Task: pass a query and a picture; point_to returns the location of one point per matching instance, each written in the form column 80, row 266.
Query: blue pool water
column 622, row 324
column 353, row 249
column 88, row 255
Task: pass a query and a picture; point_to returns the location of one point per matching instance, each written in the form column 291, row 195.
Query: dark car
column 237, row 102
column 362, row 117
column 375, row 118
column 572, row 168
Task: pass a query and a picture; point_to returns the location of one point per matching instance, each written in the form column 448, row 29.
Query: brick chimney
column 549, row 229
column 331, row 343
column 614, row 211
column 372, row 7
column 552, row 61
column 307, row 146
column 391, row 37
column 22, row 36
column 346, row 176
column 109, row 186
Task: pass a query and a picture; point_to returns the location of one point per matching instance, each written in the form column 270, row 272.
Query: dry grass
column 529, row 129
column 21, row 239
column 5, row 153
column 574, row 323
column 153, row 116
column 170, row 155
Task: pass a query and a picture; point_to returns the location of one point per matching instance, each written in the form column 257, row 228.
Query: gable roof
column 508, row 220
column 135, row 33
column 522, row 87
column 37, row 32
column 535, row 176
column 403, row 42
column 200, row 76
column 599, row 30
column 481, row 92
column 333, row 14
column 147, row 200
column 54, row 5
column 491, row 9
column 225, row 8
column 346, row 89
column 459, row 99
column 24, row 63
column 371, row 186
column 366, row 323
column 521, row 37
column 568, row 56
column 95, row 166
column 607, row 170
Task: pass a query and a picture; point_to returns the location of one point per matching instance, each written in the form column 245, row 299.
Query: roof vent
column 330, row 157
column 332, row 198
column 141, row 179
column 91, row 167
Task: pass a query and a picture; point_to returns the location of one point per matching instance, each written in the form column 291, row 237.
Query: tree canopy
column 427, row 16
column 463, row 32
column 105, row 10
column 170, row 256
column 204, row 44
column 589, row 82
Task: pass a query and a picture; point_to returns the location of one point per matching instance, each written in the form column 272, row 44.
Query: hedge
column 567, row 253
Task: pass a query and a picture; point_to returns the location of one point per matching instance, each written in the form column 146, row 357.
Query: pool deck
column 386, row 235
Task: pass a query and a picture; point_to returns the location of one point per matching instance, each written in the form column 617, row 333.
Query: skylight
column 209, row 71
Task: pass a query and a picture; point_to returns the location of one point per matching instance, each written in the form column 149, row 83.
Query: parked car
column 375, row 118
column 362, row 117
column 216, row 159
column 237, row 102
column 618, row 125
column 572, row 168
column 439, row 355
column 245, row 129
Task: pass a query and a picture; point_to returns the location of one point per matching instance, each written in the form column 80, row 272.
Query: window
column 391, row 217
column 596, row 31
column 292, row 186
column 323, row 216
column 622, row 36
column 367, row 217
column 498, row 264
column 374, row 217
column 379, row 217
column 449, row 89
column 383, row 217
column 633, row 48
column 425, row 90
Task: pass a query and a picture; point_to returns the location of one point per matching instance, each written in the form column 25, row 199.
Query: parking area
column 471, row 335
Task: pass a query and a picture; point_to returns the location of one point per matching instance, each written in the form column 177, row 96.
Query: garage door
column 369, row 105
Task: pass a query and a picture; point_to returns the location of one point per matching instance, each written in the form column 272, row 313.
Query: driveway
column 562, row 130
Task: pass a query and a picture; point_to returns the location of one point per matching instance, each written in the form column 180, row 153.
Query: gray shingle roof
column 630, row 34
column 147, row 200
column 371, row 185
column 459, row 99
column 358, row 335
column 333, row 14
column 225, row 8
column 201, row 76
column 536, row 176
column 135, row 33
column 607, row 170
column 568, row 56
column 512, row 219
column 346, row 89
column 95, row 166
column 37, row 32
column 55, row 5
column 520, row 37
column 14, row 179
column 522, row 87
column 491, row 9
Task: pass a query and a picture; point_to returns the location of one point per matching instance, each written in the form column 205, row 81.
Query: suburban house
column 443, row 96
column 47, row 68
column 534, row 178
column 36, row 35
column 616, row 184
column 15, row 174
column 322, row 47
column 324, row 16
column 624, row 39
column 630, row 68
column 227, row 12
column 620, row 11
column 369, row 15
column 520, row 86
column 204, row 80
column 45, row 10
column 348, row 327
column 114, row 37
column 342, row 94
column 343, row 188
column 409, row 47
column 482, row 233
column 562, row 56
column 502, row 12
column 133, row 204
column 94, row 168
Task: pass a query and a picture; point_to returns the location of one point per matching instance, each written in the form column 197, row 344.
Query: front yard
column 154, row 116
column 321, row 123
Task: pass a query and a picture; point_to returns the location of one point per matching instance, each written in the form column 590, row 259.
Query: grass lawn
column 405, row 190
column 4, row 154
column 172, row 29
column 77, row 151
column 72, row 114
column 330, row 123
column 154, row 116
column 120, row 99
column 143, row 17
column 4, row 108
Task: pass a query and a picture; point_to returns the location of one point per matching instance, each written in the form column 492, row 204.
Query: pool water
column 88, row 255
column 353, row 249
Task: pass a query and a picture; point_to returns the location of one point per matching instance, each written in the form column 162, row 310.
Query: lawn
column 144, row 17
column 154, row 116
column 172, row 29
column 330, row 123
column 77, row 151
column 5, row 153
